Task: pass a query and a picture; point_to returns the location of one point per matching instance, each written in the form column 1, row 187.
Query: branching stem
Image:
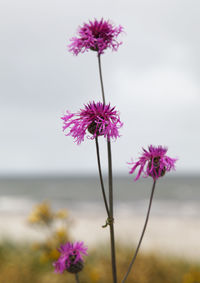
column 110, row 180
column 143, row 231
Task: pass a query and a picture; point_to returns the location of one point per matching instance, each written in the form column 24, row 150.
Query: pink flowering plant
column 100, row 119
column 97, row 119
column 97, row 36
column 71, row 257
column 153, row 162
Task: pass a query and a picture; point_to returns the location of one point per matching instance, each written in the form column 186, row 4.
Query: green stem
column 111, row 218
column 143, row 231
column 101, row 78
column 77, row 278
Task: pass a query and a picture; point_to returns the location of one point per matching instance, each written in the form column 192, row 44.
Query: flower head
column 71, row 257
column 153, row 162
column 96, row 118
column 97, row 36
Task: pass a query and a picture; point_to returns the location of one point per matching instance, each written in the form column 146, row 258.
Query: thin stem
column 101, row 177
column 112, row 238
column 111, row 219
column 143, row 231
column 77, row 278
column 101, row 78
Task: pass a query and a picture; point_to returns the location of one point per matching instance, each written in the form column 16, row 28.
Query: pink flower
column 96, row 36
column 96, row 118
column 71, row 257
column 153, row 162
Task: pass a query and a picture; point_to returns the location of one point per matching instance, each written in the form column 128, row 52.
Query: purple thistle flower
column 96, row 36
column 153, row 162
column 96, row 118
column 71, row 257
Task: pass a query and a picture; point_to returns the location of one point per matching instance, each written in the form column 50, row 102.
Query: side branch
column 143, row 231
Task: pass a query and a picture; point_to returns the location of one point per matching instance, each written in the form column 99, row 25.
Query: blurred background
column 153, row 79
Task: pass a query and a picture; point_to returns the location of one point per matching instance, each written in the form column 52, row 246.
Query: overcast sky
column 153, row 80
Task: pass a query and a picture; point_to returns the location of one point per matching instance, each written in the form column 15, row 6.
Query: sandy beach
column 166, row 235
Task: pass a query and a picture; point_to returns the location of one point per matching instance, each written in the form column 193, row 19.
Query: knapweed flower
column 71, row 257
column 153, row 162
column 97, row 36
column 96, row 118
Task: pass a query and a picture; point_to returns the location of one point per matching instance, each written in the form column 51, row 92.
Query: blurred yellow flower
column 62, row 214
column 61, row 233
column 56, row 234
column 41, row 214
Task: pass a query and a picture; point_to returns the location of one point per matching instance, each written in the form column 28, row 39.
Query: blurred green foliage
column 32, row 263
column 55, row 225
column 22, row 264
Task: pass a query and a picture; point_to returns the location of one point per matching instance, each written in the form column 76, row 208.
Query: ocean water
column 173, row 228
column 174, row 196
